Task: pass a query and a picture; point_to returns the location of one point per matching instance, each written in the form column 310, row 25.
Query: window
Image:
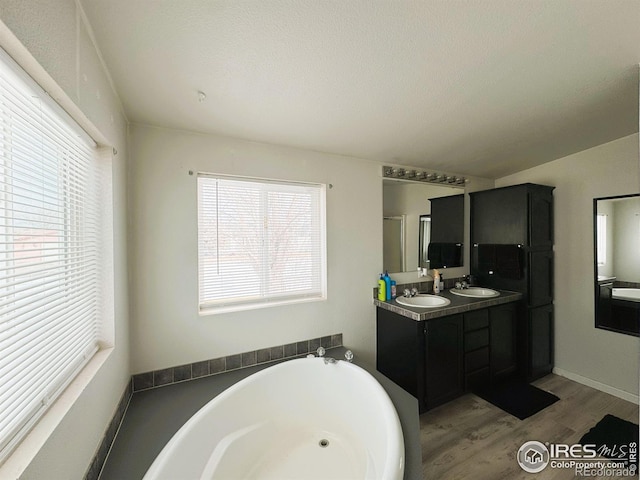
column 601, row 229
column 259, row 242
column 50, row 251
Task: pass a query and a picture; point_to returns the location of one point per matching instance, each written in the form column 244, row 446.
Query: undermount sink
column 424, row 300
column 475, row 292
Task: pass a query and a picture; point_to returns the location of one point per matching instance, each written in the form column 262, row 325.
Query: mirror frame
column 596, row 290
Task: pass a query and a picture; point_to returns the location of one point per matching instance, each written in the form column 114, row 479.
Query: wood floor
column 469, row 438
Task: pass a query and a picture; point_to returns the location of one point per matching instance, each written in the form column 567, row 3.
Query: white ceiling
column 478, row 87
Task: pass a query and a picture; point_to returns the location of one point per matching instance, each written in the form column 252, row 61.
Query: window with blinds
column 49, row 253
column 260, row 243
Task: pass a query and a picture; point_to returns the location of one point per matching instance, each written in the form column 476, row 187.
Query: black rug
column 517, row 398
column 614, row 438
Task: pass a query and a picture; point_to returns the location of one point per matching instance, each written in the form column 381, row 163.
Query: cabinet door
column 400, row 349
column 541, row 218
column 540, row 278
column 443, row 360
column 499, row 216
column 540, row 341
column 503, row 352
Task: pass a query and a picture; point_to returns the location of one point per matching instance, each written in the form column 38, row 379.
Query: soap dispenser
column 436, row 281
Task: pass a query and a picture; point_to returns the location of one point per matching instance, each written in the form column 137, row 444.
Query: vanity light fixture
column 422, row 176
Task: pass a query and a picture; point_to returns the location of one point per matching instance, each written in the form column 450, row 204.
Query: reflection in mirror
column 616, row 225
column 409, row 200
column 447, row 231
column 424, row 239
column 394, row 252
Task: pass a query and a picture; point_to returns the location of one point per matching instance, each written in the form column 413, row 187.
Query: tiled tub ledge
column 167, row 376
column 193, row 371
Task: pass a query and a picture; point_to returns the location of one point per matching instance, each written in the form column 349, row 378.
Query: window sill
column 215, row 310
column 17, row 463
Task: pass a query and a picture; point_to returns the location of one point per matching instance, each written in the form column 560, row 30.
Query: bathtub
column 303, row 418
column 629, row 294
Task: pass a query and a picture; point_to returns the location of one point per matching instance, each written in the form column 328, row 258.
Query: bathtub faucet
column 348, row 355
column 320, row 352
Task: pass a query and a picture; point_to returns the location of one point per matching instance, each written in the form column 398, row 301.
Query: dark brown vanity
column 438, row 354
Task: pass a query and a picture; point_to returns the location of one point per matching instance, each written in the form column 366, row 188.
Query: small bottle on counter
column 387, row 281
column 436, row 281
column 393, row 289
column 382, row 290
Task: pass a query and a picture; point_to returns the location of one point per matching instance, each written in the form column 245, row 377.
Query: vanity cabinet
column 512, row 249
column 438, row 360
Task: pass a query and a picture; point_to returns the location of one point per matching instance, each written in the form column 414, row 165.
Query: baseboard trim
column 616, row 392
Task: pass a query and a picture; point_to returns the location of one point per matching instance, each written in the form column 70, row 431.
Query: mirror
column 406, row 221
column 616, row 229
column 394, row 243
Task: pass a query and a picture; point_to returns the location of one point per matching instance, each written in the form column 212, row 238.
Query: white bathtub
column 298, row 419
column 629, row 294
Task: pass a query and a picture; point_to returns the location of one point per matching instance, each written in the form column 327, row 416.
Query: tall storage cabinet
column 512, row 249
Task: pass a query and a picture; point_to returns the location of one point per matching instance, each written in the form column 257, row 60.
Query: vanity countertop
column 458, row 304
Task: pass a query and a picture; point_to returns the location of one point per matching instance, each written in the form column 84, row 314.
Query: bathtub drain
column 324, row 443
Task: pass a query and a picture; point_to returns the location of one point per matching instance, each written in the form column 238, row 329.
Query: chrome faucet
column 348, row 356
column 321, row 351
column 410, row 293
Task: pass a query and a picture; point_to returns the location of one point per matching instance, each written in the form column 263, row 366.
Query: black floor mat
column 517, row 398
column 613, row 438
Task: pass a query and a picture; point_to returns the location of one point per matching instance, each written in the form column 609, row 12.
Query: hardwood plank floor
column 470, row 438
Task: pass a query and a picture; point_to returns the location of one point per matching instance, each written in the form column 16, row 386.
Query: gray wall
column 166, row 329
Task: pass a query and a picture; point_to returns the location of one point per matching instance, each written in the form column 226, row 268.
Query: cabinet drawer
column 476, row 360
column 476, row 320
column 476, row 339
column 477, row 379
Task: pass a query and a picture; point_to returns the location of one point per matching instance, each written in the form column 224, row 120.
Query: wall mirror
column 616, row 230
column 407, row 222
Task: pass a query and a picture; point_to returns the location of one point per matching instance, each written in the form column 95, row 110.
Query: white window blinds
column 49, row 254
column 259, row 242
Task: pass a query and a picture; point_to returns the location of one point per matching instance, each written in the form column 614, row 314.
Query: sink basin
column 424, row 301
column 475, row 292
